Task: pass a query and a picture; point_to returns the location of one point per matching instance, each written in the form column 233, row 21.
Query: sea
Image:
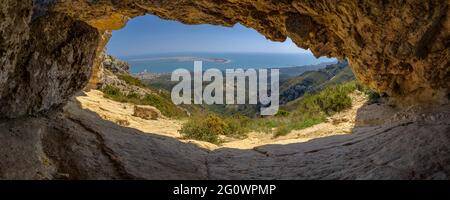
column 168, row 62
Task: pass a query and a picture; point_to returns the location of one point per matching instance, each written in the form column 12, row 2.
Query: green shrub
column 329, row 101
column 133, row 95
column 111, row 91
column 116, row 94
column 374, row 97
column 209, row 128
column 237, row 127
column 282, row 130
column 198, row 130
column 131, row 80
column 282, row 113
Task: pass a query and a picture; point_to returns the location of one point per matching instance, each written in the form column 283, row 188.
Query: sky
column 150, row 34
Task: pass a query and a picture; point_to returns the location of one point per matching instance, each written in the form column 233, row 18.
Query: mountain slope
column 120, row 86
column 314, row 81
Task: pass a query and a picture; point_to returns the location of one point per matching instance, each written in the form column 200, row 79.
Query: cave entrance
column 146, row 52
column 152, row 44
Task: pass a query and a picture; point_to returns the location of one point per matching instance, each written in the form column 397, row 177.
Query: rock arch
column 48, row 48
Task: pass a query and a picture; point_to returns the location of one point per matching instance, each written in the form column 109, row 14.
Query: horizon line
column 206, row 52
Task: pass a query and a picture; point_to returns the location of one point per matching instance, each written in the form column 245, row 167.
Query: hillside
column 119, row 85
column 222, row 123
column 121, row 94
column 122, row 114
column 294, row 83
column 314, row 81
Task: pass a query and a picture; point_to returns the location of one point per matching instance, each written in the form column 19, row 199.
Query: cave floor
column 80, row 144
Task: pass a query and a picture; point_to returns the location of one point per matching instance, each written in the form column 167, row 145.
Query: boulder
column 147, row 112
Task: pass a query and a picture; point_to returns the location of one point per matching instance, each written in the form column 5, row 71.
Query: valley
column 243, row 128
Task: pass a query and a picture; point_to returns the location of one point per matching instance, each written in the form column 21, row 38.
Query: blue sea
column 168, row 62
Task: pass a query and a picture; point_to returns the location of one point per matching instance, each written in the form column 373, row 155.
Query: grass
column 285, row 129
column 160, row 102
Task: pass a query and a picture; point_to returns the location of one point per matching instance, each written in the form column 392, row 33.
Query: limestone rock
column 115, row 65
column 14, row 31
column 396, row 47
column 51, row 66
column 81, row 145
column 97, row 78
column 147, row 112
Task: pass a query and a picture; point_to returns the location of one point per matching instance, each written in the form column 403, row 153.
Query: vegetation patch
column 130, row 80
column 311, row 110
column 163, row 104
column 209, row 128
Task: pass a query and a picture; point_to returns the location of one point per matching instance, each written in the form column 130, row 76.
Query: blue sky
column 149, row 35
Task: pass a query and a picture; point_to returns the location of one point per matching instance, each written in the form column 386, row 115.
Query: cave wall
column 14, row 31
column 46, row 63
column 398, row 47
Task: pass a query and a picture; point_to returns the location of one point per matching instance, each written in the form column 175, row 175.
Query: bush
column 237, row 126
column 111, row 91
column 198, row 130
column 282, row 113
column 207, row 129
column 329, row 101
column 115, row 94
column 131, row 80
column 210, row 128
column 373, row 96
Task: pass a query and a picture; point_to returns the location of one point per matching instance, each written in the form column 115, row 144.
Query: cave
column 50, row 50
